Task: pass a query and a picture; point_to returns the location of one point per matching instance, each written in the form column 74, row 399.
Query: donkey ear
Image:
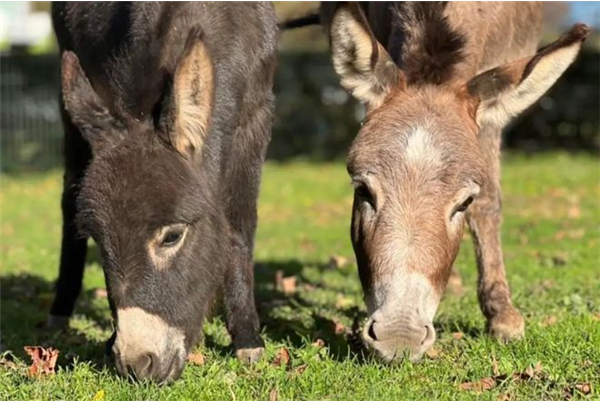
column 82, row 103
column 193, row 89
column 504, row 92
column 365, row 68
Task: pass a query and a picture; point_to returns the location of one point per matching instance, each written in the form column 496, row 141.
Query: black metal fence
column 30, row 127
column 314, row 116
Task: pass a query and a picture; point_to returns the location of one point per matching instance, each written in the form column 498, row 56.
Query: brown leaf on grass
column 549, row 321
column 584, row 388
column 100, row 293
column 338, row 327
column 308, row 287
column 44, row 360
column 319, row 343
column 273, row 394
column 484, row 384
column 547, row 284
column 575, row 234
column 301, row 369
column 495, row 366
column 574, row 211
column 7, row 360
column 504, row 397
column 532, row 372
column 596, row 316
column 282, row 358
column 458, row 335
column 196, row 358
column 286, row 285
column 433, row 353
column 338, row 261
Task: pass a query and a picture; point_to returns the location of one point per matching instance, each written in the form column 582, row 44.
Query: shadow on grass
column 26, row 300
column 304, row 320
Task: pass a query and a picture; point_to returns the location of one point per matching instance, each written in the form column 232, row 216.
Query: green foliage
column 551, row 246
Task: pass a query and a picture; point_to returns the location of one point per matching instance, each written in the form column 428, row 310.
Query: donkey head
column 150, row 203
column 416, row 166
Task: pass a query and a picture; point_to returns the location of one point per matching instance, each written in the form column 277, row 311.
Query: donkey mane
column 425, row 47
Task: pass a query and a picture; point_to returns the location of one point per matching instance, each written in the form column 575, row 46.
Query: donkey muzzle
column 146, row 347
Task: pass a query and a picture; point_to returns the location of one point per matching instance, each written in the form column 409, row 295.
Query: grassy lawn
column 551, row 237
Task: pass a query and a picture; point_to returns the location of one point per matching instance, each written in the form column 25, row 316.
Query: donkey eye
column 363, row 192
column 171, row 238
column 465, row 204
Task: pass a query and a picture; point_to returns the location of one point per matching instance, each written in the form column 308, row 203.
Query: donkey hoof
column 57, row 322
column 507, row 326
column 249, row 356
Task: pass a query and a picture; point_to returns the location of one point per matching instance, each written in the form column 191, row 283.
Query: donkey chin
column 400, row 323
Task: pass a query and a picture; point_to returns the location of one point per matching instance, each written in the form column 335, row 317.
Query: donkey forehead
column 147, row 184
column 419, row 136
column 410, row 150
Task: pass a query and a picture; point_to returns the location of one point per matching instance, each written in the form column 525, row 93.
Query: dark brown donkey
column 439, row 82
column 167, row 113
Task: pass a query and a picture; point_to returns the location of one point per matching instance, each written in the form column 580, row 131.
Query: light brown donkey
column 439, row 82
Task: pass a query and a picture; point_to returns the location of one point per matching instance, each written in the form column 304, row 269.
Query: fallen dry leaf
column 99, row 396
column 338, row 261
column 338, row 327
column 300, row 369
column 548, row 321
column 308, row 287
column 504, row 397
column 584, row 388
column 458, row 335
column 282, row 357
column 319, row 343
column 530, row 372
column 197, row 359
column 44, row 360
column 286, row 285
column 495, row 366
column 574, row 211
column 433, row 353
column 7, row 360
column 273, row 394
column 479, row 385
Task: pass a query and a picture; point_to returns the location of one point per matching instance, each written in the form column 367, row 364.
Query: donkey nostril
column 371, row 331
column 143, row 366
column 147, row 362
column 429, row 334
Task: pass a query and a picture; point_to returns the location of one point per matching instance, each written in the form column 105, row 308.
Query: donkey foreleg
column 503, row 320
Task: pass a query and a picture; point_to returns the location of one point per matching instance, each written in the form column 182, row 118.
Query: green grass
column 551, row 238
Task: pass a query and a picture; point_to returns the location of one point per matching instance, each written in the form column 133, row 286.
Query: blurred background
column 315, row 118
